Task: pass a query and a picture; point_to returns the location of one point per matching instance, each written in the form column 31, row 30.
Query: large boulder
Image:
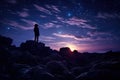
column 31, row 45
column 56, row 67
column 5, row 41
column 65, row 52
column 34, row 48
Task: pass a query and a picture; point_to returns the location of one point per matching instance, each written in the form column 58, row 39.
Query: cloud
column 96, row 33
column 100, row 36
column 15, row 24
column 76, row 22
column 48, row 9
column 56, row 8
column 60, row 18
column 47, row 38
column 91, row 36
column 23, row 14
column 50, row 25
column 42, row 9
column 25, row 24
column 55, row 21
column 107, row 15
column 53, row 8
column 43, row 16
column 72, row 37
column 28, row 22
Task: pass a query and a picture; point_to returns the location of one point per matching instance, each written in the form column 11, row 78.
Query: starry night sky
column 85, row 25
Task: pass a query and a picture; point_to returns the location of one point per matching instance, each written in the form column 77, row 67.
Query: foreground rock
column 35, row 61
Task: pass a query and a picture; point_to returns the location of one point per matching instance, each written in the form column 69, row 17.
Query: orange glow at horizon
column 72, row 47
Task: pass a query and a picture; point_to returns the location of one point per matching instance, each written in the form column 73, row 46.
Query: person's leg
column 37, row 38
column 34, row 38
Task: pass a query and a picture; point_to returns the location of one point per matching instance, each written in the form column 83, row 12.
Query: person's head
column 36, row 25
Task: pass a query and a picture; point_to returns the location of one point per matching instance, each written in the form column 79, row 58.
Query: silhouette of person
column 36, row 33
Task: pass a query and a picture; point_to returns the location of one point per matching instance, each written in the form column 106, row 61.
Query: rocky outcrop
column 35, row 61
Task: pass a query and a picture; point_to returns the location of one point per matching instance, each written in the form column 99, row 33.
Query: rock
column 79, row 70
column 56, row 67
column 35, row 61
column 31, row 45
column 5, row 41
column 5, row 57
column 38, row 73
column 99, row 75
column 68, row 75
column 34, row 48
column 110, row 65
column 65, row 52
column 53, row 57
column 18, row 71
column 27, row 58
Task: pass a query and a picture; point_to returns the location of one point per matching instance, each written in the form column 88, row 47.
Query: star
column 69, row 14
column 8, row 28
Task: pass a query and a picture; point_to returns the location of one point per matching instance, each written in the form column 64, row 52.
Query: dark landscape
column 59, row 39
column 35, row 61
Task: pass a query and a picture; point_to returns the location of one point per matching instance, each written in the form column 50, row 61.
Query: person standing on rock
column 36, row 33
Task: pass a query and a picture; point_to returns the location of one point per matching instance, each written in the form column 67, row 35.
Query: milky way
column 85, row 25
